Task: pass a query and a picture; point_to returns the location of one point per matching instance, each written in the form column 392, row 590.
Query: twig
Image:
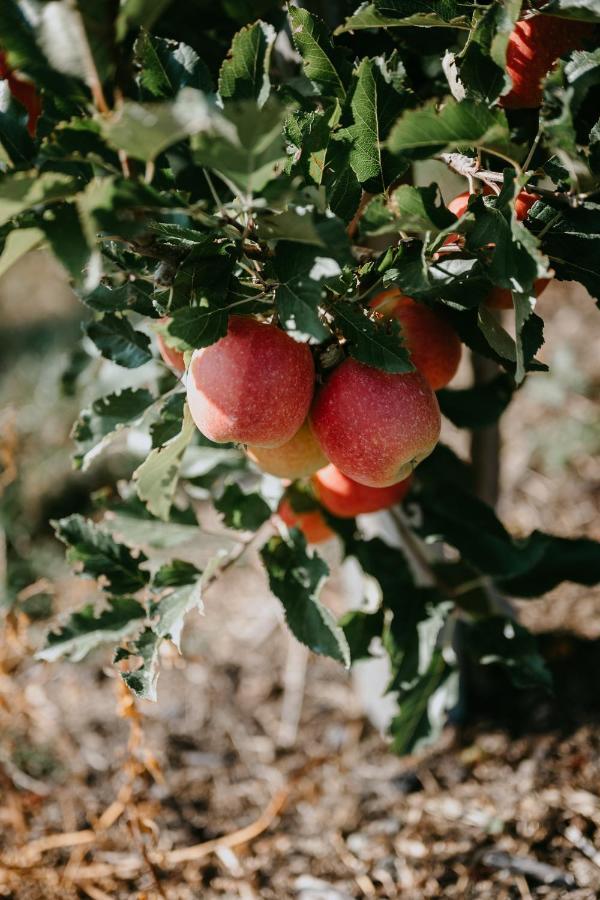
column 469, row 168
column 235, row 838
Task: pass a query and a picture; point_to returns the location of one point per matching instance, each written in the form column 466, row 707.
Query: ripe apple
column 172, row 357
column 311, row 523
column 347, row 498
column 500, row 298
column 297, row 458
column 434, row 346
column 24, row 92
column 375, row 426
column 533, row 48
column 253, row 386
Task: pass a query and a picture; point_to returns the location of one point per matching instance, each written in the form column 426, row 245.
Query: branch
column 470, row 168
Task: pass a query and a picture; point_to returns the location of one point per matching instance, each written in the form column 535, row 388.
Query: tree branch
column 470, row 168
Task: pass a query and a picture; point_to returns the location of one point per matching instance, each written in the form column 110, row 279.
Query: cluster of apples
column 23, row 91
column 357, row 433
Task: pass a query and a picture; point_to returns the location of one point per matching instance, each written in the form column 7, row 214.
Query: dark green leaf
column 420, row 133
column 324, row 65
column 168, row 66
column 295, row 577
column 104, row 419
column 117, row 340
column 142, row 679
column 85, row 630
column 244, row 74
column 376, row 343
column 101, row 556
column 477, row 406
column 240, row 510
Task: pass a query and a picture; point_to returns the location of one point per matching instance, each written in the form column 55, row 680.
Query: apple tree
column 206, row 169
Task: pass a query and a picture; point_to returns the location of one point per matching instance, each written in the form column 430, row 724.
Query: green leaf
column 168, row 66
column 368, row 15
column 241, row 510
column 184, row 582
column 20, row 191
column 420, row 209
column 324, row 65
column 169, row 421
column 144, row 130
column 423, row 706
column 244, row 74
column 342, row 185
column 200, row 326
column 249, row 152
column 483, row 61
column 361, row 628
column 379, row 97
column 101, row 556
column 376, row 343
column 104, row 419
column 17, row 244
column 156, row 479
column 63, row 230
column 141, row 680
column 296, row 577
column 117, row 340
column 299, row 292
column 423, row 132
column 85, row 630
column 478, row 406
column 571, row 241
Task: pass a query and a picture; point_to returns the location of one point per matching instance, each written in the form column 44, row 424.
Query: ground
column 103, row 798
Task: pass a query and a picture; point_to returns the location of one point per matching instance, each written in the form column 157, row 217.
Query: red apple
column 253, row 386
column 297, row 458
column 434, row 346
column 375, row 426
column 311, row 523
column 533, row 48
column 347, row 498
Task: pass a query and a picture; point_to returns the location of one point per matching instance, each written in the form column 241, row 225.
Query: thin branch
column 469, row 168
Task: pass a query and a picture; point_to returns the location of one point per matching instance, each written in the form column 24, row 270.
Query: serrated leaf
column 361, row 628
column 143, row 679
column 85, row 630
column 377, row 100
column 244, row 74
column 156, row 479
column 101, row 556
column 171, row 608
column 14, row 136
column 423, row 132
column 103, row 420
column 368, row 15
column 241, row 510
column 168, row 66
column 299, row 292
column 296, row 577
column 378, row 344
column 323, row 64
column 117, row 340
column 169, row 421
